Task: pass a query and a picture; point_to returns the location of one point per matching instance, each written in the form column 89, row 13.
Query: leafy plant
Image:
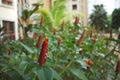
column 115, row 19
column 98, row 18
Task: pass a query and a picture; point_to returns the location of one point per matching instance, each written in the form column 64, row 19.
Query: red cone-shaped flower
column 55, row 30
column 118, row 66
column 89, row 62
column 76, row 20
column 39, row 41
column 70, row 30
column 34, row 36
column 90, row 33
column 43, row 54
column 22, row 39
column 62, row 26
column 94, row 39
column 42, row 21
column 9, row 51
column 111, row 33
column 107, row 43
column 59, row 41
column 81, row 52
column 80, row 41
column 119, row 36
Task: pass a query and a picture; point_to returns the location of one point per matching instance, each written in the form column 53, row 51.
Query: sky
column 109, row 5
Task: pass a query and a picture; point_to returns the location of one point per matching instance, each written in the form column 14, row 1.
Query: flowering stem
column 67, row 66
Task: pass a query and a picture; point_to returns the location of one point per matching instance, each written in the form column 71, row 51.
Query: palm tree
column 98, row 18
column 55, row 15
column 115, row 19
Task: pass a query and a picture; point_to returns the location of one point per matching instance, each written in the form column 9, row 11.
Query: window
column 74, row 7
column 7, row 2
column 8, row 28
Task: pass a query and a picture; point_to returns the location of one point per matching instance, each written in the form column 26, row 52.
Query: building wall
column 48, row 3
column 85, row 12
column 117, row 3
column 9, row 13
column 31, row 2
column 70, row 3
column 81, row 9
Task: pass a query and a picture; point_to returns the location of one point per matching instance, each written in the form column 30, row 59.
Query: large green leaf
column 12, row 75
column 56, row 75
column 27, row 48
column 78, row 73
column 29, row 66
column 45, row 73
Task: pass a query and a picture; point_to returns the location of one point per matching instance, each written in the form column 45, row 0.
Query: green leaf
column 78, row 73
column 23, row 65
column 112, row 39
column 30, row 66
column 56, row 75
column 101, row 55
column 27, row 48
column 45, row 73
column 82, row 63
column 12, row 75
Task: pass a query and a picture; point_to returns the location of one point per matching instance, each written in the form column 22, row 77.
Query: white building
column 117, row 3
column 74, row 6
column 8, row 17
column 80, row 7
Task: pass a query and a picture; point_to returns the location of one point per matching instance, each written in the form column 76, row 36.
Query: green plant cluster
column 82, row 54
column 63, row 62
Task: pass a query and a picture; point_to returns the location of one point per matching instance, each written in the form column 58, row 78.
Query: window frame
column 74, row 7
column 9, row 32
column 6, row 3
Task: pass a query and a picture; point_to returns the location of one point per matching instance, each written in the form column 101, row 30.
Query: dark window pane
column 8, row 27
column 74, row 7
column 8, row 2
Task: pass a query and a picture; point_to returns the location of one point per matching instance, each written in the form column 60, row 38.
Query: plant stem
column 67, row 66
column 111, row 52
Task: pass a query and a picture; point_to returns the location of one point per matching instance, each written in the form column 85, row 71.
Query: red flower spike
column 62, row 26
column 107, row 43
column 43, row 54
column 59, row 41
column 39, row 41
column 80, row 41
column 42, row 21
column 81, row 52
column 55, row 30
column 90, row 33
column 70, row 30
column 76, row 32
column 34, row 36
column 118, row 66
column 9, row 51
column 119, row 36
column 111, row 33
column 89, row 62
column 22, row 39
column 94, row 40
column 76, row 20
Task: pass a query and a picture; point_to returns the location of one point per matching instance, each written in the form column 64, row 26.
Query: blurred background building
column 8, row 17
column 74, row 6
column 117, row 3
column 11, row 10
